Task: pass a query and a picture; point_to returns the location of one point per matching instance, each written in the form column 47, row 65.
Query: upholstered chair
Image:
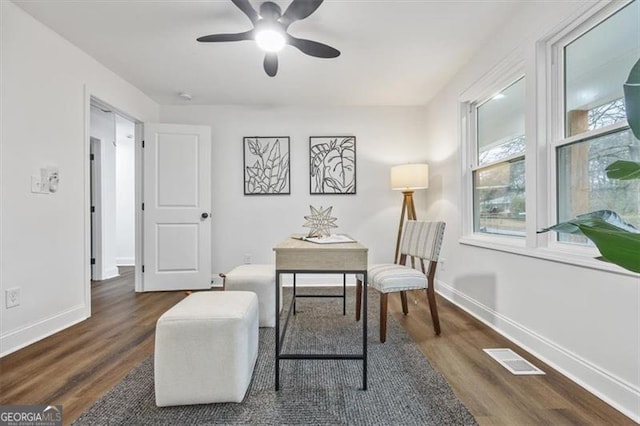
column 421, row 241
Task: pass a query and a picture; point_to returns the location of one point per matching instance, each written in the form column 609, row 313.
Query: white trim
column 25, row 336
column 569, row 257
column 591, row 134
column 466, row 174
column 86, row 154
column 510, row 69
column 111, row 273
column 510, row 159
column 138, row 277
column 125, row 261
column 506, row 73
column 615, row 391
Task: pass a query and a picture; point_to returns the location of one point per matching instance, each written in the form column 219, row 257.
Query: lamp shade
column 407, row 177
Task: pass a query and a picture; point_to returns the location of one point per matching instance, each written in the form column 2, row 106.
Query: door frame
column 95, row 201
column 89, row 98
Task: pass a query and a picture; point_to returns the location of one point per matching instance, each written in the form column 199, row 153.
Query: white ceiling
column 393, row 52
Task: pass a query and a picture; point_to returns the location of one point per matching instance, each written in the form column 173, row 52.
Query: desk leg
column 344, row 294
column 294, row 294
column 277, row 330
column 364, row 332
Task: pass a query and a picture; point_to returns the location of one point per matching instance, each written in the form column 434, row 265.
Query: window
column 595, row 62
column 498, row 174
column 573, row 104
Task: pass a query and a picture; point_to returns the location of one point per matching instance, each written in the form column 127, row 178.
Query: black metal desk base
column 337, row 296
column 280, row 338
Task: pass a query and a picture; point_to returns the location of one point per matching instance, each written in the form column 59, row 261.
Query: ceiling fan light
column 270, row 40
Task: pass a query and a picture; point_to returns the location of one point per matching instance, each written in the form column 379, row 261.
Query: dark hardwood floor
column 492, row 394
column 75, row 367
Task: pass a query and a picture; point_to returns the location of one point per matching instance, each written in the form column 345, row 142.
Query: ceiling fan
column 270, row 31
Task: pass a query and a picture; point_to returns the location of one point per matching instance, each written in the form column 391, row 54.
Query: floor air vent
column 513, row 362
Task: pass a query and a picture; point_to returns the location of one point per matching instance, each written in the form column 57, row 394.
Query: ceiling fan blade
column 247, row 35
column 271, row 64
column 299, row 9
column 247, row 9
column 313, row 48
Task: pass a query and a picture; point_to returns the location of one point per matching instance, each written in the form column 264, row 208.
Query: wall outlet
column 12, row 297
column 247, row 258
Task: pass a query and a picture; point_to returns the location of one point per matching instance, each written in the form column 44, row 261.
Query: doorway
column 112, row 192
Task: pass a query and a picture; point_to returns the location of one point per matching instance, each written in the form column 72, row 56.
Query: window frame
column 475, row 164
column 557, row 120
column 505, row 74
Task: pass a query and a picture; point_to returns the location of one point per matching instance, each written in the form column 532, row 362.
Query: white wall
column 43, row 110
column 254, row 224
column 125, row 192
column 102, row 126
column 583, row 321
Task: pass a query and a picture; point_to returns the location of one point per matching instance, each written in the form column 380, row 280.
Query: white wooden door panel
column 177, row 192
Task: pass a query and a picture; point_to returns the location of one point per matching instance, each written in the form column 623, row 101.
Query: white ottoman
column 206, row 348
column 260, row 279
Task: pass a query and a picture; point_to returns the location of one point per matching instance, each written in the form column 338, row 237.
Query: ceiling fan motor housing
column 270, row 11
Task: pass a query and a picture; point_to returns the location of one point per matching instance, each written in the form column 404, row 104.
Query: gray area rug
column 403, row 388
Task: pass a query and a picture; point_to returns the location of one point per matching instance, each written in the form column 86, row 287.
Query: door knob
column 204, row 215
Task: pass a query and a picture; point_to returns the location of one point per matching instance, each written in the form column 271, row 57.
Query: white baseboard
column 106, row 274
column 125, row 261
column 618, row 393
column 18, row 339
column 111, row 273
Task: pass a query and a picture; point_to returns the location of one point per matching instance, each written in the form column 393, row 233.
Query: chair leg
column 358, row 299
column 403, row 298
column 431, row 296
column 383, row 317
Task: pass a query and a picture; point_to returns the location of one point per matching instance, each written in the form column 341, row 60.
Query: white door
column 177, row 207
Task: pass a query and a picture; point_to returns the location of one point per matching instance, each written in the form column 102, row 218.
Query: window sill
column 517, row 246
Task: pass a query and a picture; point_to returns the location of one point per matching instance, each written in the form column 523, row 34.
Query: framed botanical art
column 266, row 165
column 332, row 164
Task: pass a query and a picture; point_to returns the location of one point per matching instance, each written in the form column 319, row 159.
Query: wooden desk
column 294, row 256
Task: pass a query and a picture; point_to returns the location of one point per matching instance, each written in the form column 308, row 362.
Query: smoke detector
column 186, row 96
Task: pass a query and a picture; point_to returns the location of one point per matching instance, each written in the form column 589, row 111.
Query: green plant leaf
column 616, row 246
column 605, row 219
column 632, row 106
column 623, row 170
column 634, row 74
column 632, row 99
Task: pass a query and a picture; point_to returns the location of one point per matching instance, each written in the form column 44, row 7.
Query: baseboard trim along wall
column 18, row 339
column 125, row 261
column 111, row 273
column 616, row 392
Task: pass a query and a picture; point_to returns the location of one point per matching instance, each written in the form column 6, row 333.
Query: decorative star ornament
column 320, row 222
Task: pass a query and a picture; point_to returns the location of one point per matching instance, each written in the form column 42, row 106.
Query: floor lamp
column 407, row 178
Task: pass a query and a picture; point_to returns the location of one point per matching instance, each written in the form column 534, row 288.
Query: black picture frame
column 266, row 165
column 332, row 165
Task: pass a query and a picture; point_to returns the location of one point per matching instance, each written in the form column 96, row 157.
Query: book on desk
column 331, row 239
